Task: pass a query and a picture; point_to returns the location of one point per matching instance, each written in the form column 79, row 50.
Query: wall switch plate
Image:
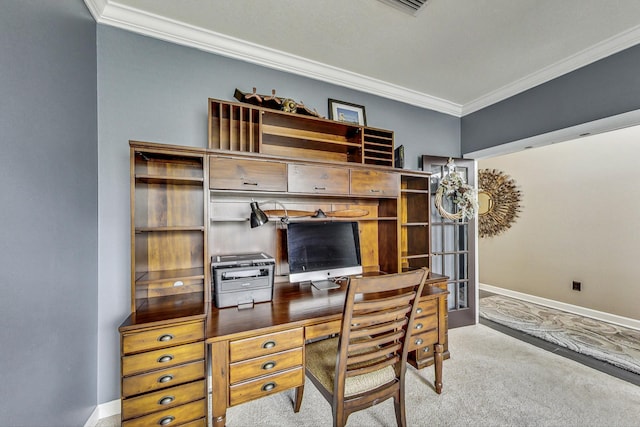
column 576, row 286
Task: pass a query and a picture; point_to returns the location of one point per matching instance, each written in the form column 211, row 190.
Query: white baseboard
column 575, row 309
column 103, row 410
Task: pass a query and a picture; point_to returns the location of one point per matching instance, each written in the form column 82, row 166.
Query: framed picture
column 347, row 112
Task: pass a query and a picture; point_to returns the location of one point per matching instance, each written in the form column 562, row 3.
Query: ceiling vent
column 411, row 7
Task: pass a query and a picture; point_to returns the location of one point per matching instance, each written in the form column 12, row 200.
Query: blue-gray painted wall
column 48, row 214
column 603, row 89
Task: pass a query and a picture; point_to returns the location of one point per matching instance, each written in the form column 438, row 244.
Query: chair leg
column 298, row 398
column 398, row 403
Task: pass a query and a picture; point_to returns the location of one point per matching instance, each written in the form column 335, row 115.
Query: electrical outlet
column 576, row 286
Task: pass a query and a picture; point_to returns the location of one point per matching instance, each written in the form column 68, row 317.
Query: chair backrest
column 378, row 310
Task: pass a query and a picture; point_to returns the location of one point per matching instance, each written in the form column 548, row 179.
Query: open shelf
column 245, row 128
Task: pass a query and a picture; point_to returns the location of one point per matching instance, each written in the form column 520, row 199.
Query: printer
column 242, row 279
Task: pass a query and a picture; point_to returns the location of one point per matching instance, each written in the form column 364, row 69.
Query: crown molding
column 114, row 14
column 96, row 8
column 110, row 12
column 590, row 55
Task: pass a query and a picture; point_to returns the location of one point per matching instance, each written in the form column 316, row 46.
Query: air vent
column 411, row 7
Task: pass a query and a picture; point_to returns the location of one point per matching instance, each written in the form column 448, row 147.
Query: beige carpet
column 491, row 379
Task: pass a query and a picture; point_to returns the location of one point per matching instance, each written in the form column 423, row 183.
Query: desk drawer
column 375, row 183
column 265, row 344
column 423, row 339
column 317, row 179
column 265, row 365
column 193, row 412
column 322, row 330
column 247, row 174
column 427, row 307
column 163, row 399
column 162, row 337
column 426, row 323
column 163, row 378
column 264, row 386
column 162, row 359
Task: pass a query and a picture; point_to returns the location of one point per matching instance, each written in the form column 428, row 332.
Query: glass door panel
column 453, row 244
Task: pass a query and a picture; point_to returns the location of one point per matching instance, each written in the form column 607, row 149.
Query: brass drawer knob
column 269, row 344
column 419, row 310
column 419, row 341
column 165, row 378
column 165, row 337
column 166, row 358
column 268, row 365
column 418, row 326
column 166, row 400
column 269, row 386
column 166, row 420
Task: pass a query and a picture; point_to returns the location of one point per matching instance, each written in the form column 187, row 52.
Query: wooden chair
column 366, row 364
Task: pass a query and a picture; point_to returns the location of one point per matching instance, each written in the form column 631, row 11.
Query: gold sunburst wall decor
column 499, row 202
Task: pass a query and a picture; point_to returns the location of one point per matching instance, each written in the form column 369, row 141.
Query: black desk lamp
column 258, row 217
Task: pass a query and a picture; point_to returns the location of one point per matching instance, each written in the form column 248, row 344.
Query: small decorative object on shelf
column 463, row 196
column 499, row 202
column 398, row 157
column 277, row 103
column 347, row 112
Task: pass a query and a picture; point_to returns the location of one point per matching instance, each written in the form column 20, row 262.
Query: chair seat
column 321, row 362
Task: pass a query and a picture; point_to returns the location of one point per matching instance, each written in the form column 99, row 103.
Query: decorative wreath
column 463, row 196
column 503, row 202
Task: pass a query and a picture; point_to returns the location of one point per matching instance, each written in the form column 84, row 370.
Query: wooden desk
column 260, row 351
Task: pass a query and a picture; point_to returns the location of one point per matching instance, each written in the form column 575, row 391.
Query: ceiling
column 452, row 56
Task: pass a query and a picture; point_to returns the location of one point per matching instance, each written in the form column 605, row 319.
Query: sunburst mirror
column 498, row 200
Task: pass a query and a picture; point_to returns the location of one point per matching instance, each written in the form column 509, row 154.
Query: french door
column 453, row 243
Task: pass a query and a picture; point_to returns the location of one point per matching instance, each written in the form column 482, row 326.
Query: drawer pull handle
column 426, row 349
column 419, row 341
column 269, row 386
column 418, row 325
column 419, row 310
column 269, row 344
column 268, row 365
column 250, row 183
column 166, row 358
column 320, row 188
column 166, row 420
column 165, row 378
column 166, row 400
column 165, row 337
column 373, row 190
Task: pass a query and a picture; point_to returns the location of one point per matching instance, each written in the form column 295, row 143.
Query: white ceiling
column 453, row 56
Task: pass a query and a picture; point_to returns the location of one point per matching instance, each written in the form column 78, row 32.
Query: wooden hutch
column 190, row 204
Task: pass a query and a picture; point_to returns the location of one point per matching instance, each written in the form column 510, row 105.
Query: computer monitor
column 322, row 251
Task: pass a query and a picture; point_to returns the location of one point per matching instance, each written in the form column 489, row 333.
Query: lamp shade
column 258, row 217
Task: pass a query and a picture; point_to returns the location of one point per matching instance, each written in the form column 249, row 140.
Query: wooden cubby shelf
column 244, row 128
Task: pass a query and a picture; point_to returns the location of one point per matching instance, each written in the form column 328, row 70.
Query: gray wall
column 605, row 88
column 155, row 91
column 49, row 230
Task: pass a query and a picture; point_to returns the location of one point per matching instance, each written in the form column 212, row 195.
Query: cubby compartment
column 234, row 127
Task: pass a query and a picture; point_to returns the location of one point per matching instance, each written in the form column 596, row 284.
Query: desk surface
column 293, row 304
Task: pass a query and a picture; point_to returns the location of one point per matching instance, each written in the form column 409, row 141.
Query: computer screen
column 321, row 251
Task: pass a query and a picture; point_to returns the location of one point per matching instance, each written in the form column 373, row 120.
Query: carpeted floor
column 613, row 344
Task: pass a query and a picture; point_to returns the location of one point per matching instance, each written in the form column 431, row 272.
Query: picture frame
column 342, row 111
